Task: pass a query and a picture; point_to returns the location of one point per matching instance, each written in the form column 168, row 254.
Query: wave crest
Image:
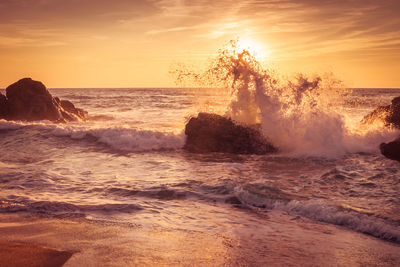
column 126, row 139
column 302, row 116
column 319, row 211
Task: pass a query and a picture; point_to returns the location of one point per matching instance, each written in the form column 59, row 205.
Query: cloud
column 290, row 24
column 27, row 42
column 174, row 29
column 291, row 27
column 58, row 10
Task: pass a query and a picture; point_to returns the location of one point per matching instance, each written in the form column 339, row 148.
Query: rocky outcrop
column 389, row 115
column 215, row 133
column 391, row 150
column 30, row 100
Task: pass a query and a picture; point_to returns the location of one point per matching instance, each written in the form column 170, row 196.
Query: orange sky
column 122, row 43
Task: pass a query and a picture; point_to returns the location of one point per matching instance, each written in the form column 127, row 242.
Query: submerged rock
column 389, row 115
column 214, row 133
column 30, row 100
column 391, row 150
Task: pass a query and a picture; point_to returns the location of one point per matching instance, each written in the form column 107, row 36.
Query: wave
column 317, row 210
column 302, row 116
column 270, row 198
column 264, row 197
column 10, row 125
column 126, row 139
column 118, row 138
column 252, row 196
column 256, row 196
column 52, row 208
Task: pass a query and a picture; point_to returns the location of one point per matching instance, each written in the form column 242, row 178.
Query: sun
column 258, row 50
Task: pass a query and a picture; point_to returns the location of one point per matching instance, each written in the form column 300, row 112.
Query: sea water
column 126, row 165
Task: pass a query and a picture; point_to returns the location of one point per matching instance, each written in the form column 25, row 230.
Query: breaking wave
column 319, row 211
column 302, row 116
column 10, row 125
column 259, row 196
column 118, row 138
column 127, row 139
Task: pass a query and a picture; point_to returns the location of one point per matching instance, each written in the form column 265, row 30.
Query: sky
column 129, row 43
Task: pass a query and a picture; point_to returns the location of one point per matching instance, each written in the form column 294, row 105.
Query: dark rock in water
column 391, row 150
column 71, row 109
column 389, row 115
column 3, row 105
column 214, row 133
column 30, row 100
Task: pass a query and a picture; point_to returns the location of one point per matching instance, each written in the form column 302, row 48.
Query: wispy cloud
column 174, row 29
column 152, row 28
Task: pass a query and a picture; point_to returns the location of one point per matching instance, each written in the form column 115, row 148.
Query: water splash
column 302, row 115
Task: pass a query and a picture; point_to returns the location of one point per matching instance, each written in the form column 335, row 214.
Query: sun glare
column 258, row 50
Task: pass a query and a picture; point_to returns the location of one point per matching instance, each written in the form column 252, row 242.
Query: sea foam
column 118, row 138
column 318, row 210
column 303, row 116
column 126, row 139
column 10, row 125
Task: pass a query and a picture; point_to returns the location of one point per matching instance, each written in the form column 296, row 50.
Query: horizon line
column 194, row 87
column 190, row 87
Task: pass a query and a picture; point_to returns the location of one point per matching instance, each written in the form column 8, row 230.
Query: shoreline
column 281, row 240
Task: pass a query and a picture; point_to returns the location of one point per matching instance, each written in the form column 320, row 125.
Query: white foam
column 10, row 125
column 126, row 139
column 323, row 212
column 301, row 116
column 117, row 137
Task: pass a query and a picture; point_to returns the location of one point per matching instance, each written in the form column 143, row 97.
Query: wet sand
column 281, row 240
column 24, row 254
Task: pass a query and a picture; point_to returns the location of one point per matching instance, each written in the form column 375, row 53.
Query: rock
column 70, row 108
column 391, row 150
column 214, row 133
column 3, row 105
column 389, row 115
column 30, row 100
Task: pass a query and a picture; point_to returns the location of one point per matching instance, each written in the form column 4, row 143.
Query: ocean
column 119, row 189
